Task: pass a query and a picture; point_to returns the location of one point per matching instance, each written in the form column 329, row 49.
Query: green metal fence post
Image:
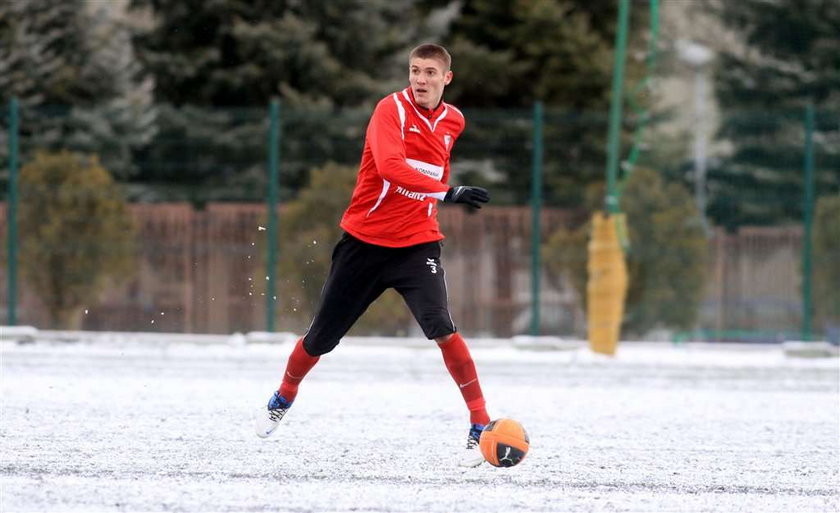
column 536, row 209
column 616, row 102
column 273, row 185
column 11, row 231
column 807, row 216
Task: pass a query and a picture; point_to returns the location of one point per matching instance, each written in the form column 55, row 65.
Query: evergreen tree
column 219, row 64
column 43, row 53
column 75, row 75
column 510, row 53
column 789, row 57
column 318, row 52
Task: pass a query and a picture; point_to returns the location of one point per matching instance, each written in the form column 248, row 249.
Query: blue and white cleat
column 471, row 455
column 269, row 418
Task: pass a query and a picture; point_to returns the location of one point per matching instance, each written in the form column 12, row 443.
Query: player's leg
column 344, row 298
column 460, row 364
column 351, row 286
column 353, row 283
column 421, row 280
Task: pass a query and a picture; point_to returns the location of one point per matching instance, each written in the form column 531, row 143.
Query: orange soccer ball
column 504, row 442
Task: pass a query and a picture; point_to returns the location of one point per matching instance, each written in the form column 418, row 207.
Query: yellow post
column 606, row 287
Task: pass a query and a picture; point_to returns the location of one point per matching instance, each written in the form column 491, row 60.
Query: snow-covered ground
column 127, row 426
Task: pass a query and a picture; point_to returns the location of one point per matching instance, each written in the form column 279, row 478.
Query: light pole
column 698, row 57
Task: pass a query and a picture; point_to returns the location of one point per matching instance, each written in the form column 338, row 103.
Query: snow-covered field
column 127, row 426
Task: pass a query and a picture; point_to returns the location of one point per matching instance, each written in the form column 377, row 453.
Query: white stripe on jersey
column 445, row 110
column 385, row 185
column 456, row 110
column 401, row 111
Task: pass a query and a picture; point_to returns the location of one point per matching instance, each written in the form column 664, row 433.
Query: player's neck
column 426, row 110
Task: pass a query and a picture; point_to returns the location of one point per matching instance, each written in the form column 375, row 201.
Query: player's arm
column 385, row 137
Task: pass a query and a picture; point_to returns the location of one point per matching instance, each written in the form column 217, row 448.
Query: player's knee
column 317, row 346
column 437, row 326
column 443, row 339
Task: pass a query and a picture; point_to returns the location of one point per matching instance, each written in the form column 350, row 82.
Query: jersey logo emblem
column 414, row 128
column 446, row 140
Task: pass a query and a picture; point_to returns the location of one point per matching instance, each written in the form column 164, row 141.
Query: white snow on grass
column 121, row 425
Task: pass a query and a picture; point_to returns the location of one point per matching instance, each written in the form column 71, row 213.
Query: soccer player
column 392, row 239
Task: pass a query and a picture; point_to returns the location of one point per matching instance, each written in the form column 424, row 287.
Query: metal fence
column 198, row 181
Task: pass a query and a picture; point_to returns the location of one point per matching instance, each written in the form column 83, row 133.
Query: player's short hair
column 432, row 51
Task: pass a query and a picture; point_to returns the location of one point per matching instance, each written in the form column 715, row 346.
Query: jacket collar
column 427, row 113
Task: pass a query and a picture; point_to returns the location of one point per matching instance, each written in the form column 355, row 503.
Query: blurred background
column 144, row 144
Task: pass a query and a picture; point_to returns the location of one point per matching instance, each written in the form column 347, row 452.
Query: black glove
column 472, row 196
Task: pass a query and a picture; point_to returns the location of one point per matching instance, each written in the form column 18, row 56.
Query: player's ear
column 447, row 78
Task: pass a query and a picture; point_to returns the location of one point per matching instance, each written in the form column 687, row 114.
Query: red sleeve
column 384, row 134
column 446, row 167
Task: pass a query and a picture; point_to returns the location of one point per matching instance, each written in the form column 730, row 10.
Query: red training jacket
column 404, row 172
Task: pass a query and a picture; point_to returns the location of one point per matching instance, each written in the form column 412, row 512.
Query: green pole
column 273, row 180
column 11, row 232
column 616, row 101
column 644, row 85
column 536, row 209
column 808, row 213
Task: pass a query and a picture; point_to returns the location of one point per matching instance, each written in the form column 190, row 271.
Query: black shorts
column 361, row 272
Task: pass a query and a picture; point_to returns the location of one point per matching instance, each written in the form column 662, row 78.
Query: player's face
column 427, row 78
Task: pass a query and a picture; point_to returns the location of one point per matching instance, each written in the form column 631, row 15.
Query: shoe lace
column 474, row 436
column 472, row 443
column 277, row 414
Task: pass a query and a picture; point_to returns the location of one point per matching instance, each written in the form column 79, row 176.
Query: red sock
column 300, row 362
column 461, row 367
